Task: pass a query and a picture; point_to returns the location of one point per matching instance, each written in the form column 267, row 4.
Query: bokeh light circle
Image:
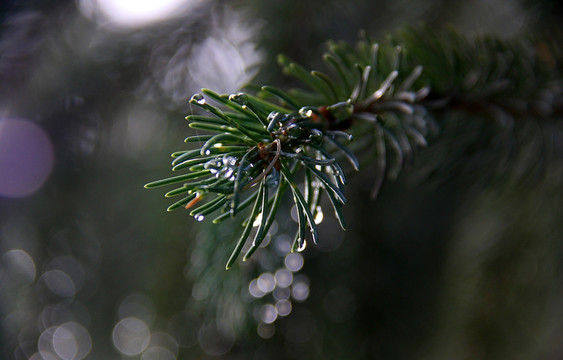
column 65, row 344
column 71, row 341
column 158, row 353
column 283, row 307
column 131, row 336
column 255, row 290
column 266, row 282
column 266, row 331
column 284, row 278
column 138, row 306
column 43, row 355
column 59, row 283
column 214, row 340
column 300, row 291
column 26, row 157
column 164, row 340
column 281, row 293
column 294, row 261
column 268, row 313
column 19, row 266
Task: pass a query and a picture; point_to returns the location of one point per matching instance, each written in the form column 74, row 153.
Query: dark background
column 92, row 266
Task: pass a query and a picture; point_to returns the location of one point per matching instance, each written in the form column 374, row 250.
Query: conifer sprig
column 261, row 145
column 372, row 105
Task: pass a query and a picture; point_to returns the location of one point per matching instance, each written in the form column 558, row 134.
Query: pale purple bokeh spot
column 26, row 157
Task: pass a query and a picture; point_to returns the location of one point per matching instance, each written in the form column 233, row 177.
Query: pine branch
column 379, row 95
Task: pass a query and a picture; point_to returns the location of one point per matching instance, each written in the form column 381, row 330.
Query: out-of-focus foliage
column 460, row 265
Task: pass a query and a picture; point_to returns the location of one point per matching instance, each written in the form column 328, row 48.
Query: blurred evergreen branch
column 381, row 103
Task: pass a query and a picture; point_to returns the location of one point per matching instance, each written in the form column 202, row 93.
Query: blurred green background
column 93, row 95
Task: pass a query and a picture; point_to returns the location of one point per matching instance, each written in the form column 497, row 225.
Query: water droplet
column 305, row 112
column 229, row 160
column 273, row 179
column 272, row 115
column 319, row 215
column 294, row 131
column 227, row 173
column 198, row 98
column 316, row 136
column 207, row 152
column 239, row 98
column 199, row 217
column 218, row 145
column 257, row 221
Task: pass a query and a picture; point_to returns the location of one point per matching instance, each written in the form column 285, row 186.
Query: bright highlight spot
column 26, row 157
column 319, row 216
column 135, row 13
column 257, row 221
